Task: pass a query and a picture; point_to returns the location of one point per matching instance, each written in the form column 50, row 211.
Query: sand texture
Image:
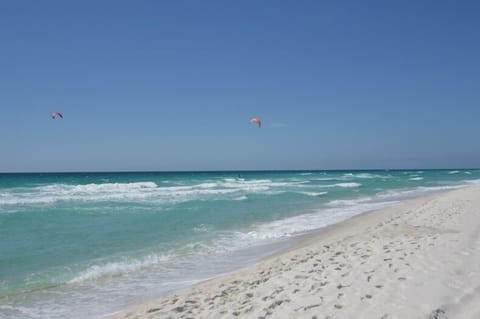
column 419, row 259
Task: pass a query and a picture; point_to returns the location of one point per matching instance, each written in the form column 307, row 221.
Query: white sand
column 420, row 259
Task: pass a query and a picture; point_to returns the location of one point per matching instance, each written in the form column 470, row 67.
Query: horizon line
column 236, row 170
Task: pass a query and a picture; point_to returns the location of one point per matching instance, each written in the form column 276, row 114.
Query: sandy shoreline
column 419, row 259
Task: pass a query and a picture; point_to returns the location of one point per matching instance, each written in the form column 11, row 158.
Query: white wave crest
column 116, row 269
column 259, row 185
column 370, row 176
column 315, row 194
column 453, row 172
column 348, row 185
column 202, row 228
column 241, row 198
column 416, row 178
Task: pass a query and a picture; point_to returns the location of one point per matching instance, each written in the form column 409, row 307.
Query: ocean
column 82, row 245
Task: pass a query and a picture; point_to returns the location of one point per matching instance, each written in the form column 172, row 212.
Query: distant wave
column 348, row 185
column 453, row 172
column 134, row 192
column 47, row 194
column 416, row 178
column 202, row 228
column 370, row 176
column 315, row 194
column 241, row 198
column 150, row 192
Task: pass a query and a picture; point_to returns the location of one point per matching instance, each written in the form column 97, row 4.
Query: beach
column 417, row 259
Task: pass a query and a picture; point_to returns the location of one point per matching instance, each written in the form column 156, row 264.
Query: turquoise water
column 86, row 244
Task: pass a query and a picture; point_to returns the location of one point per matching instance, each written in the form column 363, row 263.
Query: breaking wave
column 348, row 185
column 416, row 178
column 115, row 269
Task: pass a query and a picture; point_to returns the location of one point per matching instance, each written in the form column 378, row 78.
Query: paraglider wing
column 257, row 121
column 57, row 114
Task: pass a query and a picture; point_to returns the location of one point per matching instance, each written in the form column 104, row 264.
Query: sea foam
column 416, row 178
column 115, row 269
column 348, row 185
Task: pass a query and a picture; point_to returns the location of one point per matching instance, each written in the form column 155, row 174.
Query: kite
column 257, row 121
column 57, row 115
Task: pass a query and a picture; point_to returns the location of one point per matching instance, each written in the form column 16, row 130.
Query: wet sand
column 419, row 259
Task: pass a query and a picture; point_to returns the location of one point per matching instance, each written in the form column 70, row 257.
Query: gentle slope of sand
column 420, row 259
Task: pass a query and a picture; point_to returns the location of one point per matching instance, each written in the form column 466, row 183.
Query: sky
column 171, row 85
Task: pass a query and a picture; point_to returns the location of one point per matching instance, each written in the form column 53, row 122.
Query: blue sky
column 171, row 85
